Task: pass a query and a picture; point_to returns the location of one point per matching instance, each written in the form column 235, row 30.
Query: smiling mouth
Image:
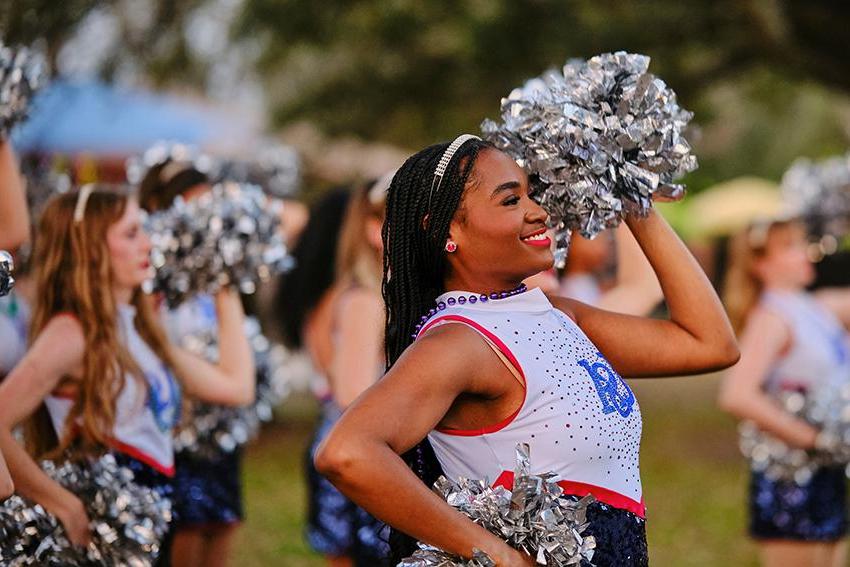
column 538, row 238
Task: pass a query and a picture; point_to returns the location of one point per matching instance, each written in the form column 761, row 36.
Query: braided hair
column 416, row 267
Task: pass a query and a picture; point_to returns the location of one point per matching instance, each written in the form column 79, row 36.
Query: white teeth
column 541, row 236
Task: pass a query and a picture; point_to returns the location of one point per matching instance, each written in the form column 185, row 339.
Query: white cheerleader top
column 819, row 355
column 146, row 411
column 579, row 417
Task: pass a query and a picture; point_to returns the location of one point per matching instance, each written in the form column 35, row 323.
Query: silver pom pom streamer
column 819, row 192
column 598, row 139
column 275, row 167
column 22, row 73
column 535, row 517
column 227, row 237
column 210, row 430
column 128, row 521
column 827, row 409
column 7, row 266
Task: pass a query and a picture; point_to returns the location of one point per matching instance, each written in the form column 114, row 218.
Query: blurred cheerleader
column 790, row 339
column 334, row 312
column 339, row 529
column 100, row 373
column 208, row 490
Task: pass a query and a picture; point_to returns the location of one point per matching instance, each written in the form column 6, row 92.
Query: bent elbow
column 332, row 460
column 731, row 401
column 729, row 354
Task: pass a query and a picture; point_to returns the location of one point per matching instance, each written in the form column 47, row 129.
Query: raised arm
column 232, row 380
column 361, row 454
column 742, row 393
column 57, row 352
column 696, row 338
column 636, row 290
column 837, row 300
column 14, row 215
column 357, row 357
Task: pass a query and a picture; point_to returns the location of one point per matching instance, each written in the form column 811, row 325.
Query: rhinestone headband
column 444, row 162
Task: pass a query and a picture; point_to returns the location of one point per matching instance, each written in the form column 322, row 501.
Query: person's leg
column 218, row 545
column 187, row 548
column 798, row 554
column 839, row 554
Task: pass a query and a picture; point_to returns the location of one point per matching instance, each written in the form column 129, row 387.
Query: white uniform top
column 820, row 350
column 146, row 412
column 580, row 418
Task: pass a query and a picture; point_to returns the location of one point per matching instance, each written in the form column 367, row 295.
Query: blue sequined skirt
column 335, row 525
column 207, row 491
column 620, row 537
column 786, row 510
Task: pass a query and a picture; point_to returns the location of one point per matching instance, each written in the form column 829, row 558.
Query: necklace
column 464, row 299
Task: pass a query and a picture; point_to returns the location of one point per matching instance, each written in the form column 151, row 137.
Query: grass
column 694, row 482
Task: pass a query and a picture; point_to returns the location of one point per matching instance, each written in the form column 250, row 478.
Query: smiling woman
column 490, row 364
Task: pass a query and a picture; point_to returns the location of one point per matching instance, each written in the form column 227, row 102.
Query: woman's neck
column 483, row 286
column 123, row 296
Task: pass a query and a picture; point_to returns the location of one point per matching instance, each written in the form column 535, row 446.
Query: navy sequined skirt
column 335, row 525
column 620, row 537
column 207, row 491
column 786, row 510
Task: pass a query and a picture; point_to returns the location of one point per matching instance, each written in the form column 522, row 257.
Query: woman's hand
column 71, row 512
column 231, row 381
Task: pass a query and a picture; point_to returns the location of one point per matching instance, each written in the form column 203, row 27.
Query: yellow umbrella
column 728, row 207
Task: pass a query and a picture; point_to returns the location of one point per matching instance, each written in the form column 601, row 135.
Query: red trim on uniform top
column 131, row 451
column 581, row 489
column 508, row 354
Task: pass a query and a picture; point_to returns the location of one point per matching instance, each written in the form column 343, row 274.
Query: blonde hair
column 73, row 276
column 357, row 262
column 742, row 288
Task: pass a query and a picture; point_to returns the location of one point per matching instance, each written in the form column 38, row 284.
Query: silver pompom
column 275, row 167
column 819, row 193
column 828, row 409
column 227, row 237
column 535, row 517
column 210, row 430
column 598, row 139
column 128, row 521
column 22, row 73
column 7, row 266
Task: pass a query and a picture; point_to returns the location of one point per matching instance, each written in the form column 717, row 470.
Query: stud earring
column 451, row 246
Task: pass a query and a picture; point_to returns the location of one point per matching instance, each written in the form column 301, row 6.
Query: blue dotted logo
column 613, row 392
column 163, row 399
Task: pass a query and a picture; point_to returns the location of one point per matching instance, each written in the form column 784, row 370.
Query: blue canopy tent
column 95, row 118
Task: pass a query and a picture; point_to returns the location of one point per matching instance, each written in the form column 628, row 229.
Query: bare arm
column 361, row 454
column 232, row 380
column 357, row 356
column 697, row 337
column 14, row 215
column 56, row 352
column 741, row 392
column 836, row 300
column 636, row 291
column 7, row 487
